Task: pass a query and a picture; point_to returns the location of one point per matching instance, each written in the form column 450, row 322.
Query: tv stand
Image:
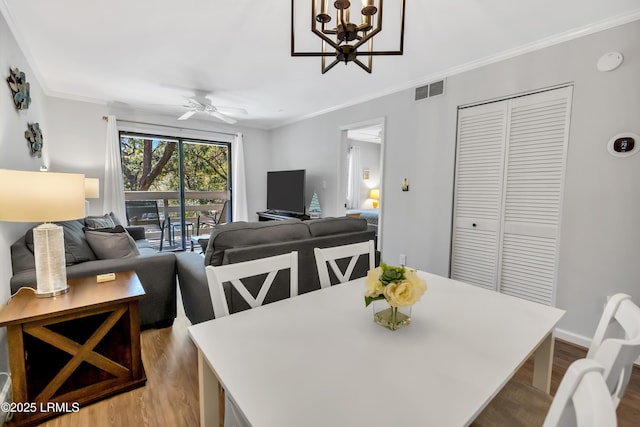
column 280, row 216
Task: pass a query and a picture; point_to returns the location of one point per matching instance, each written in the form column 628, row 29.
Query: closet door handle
column 473, row 225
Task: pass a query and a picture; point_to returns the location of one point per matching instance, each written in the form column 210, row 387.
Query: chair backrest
column 233, row 273
column 205, row 218
column 582, row 399
column 331, row 254
column 142, row 212
column 616, row 343
column 222, row 218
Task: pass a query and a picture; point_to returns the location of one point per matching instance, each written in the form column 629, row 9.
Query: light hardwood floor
column 170, row 397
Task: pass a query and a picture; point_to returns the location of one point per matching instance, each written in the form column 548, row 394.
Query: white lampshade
column 91, row 188
column 44, row 197
column 41, row 196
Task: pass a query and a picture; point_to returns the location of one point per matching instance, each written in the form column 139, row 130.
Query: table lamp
column 91, row 191
column 375, row 196
column 43, row 197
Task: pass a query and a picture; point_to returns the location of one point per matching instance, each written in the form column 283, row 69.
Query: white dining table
column 319, row 359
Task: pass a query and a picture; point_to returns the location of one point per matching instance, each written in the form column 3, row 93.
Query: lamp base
column 51, row 272
column 49, row 294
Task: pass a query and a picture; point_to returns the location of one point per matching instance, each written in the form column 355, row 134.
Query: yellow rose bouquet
column 400, row 286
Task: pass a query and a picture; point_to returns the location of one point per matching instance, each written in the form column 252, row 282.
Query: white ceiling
column 153, row 54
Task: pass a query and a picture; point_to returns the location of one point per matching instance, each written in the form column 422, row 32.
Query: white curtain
column 238, row 180
column 353, row 178
column 113, row 181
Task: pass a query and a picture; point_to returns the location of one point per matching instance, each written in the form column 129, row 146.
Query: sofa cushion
column 111, row 243
column 329, row 226
column 76, row 248
column 103, row 221
column 21, row 256
column 243, row 234
column 115, row 219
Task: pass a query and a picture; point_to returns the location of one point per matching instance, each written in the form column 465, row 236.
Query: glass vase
column 390, row 317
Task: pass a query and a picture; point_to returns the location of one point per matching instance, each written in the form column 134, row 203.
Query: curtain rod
column 105, row 118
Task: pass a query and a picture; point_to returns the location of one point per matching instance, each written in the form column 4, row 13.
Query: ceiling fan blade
column 200, row 102
column 186, row 115
column 232, row 110
column 222, row 117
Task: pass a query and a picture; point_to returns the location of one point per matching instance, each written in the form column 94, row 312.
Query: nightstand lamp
column 375, row 196
column 44, row 197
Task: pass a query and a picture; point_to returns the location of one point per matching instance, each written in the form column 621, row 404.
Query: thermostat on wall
column 624, row 144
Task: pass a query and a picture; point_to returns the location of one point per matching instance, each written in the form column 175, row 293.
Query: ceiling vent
column 432, row 89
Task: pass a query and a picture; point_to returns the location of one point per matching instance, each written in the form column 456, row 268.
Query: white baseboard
column 573, row 338
column 580, row 340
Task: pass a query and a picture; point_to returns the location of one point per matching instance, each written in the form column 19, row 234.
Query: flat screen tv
column 285, row 191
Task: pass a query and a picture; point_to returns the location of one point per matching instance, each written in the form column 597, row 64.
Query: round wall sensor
column 610, row 61
column 624, row 144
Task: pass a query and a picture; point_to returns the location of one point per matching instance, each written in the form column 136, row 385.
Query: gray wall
column 15, row 151
column 599, row 236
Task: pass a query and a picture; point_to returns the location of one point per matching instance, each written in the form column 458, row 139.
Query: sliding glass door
column 175, row 188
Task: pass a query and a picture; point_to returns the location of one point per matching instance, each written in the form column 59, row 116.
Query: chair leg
column 161, row 238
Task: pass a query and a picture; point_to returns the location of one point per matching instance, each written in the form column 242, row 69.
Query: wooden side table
column 76, row 348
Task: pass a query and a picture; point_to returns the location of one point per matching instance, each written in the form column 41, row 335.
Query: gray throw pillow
column 111, row 243
column 76, row 248
column 104, row 221
column 114, row 218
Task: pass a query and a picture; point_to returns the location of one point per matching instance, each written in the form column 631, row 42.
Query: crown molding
column 556, row 39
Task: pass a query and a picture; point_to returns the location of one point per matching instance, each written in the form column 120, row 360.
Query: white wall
column 79, row 133
column 15, row 152
column 599, row 235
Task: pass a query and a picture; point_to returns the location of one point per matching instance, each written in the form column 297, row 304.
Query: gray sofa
column 156, row 270
column 243, row 241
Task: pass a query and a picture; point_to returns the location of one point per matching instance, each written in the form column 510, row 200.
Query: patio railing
column 169, row 207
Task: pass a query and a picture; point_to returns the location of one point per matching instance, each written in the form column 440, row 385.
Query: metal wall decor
column 34, row 136
column 19, row 88
column 342, row 38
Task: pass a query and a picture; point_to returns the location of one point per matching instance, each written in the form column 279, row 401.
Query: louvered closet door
column 478, row 194
column 536, row 156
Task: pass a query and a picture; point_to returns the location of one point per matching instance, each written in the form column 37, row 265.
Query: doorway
column 361, row 173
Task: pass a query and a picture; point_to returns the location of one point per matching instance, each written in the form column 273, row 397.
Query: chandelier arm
column 314, row 25
column 367, row 37
column 325, row 38
column 378, row 25
column 361, row 65
column 330, row 66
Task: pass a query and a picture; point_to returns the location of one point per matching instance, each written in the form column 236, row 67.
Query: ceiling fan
column 202, row 104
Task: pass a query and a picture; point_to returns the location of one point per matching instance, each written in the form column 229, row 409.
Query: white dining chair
column 582, row 400
column 234, row 273
column 331, row 254
column 615, row 346
column 616, row 343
